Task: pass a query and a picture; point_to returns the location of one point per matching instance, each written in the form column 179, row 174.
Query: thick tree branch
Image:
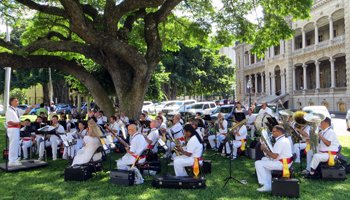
column 43, row 8
column 154, row 44
column 9, row 45
column 70, row 67
column 166, row 9
column 129, row 22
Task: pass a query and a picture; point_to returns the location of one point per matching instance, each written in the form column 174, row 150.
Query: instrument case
column 335, row 173
column 122, row 177
column 206, row 166
column 285, row 187
column 179, row 182
column 78, row 173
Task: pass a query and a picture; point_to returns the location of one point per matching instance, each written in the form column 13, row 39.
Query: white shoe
column 13, row 164
column 264, row 189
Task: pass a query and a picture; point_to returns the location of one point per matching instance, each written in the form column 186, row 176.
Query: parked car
column 347, row 118
column 63, row 108
column 23, row 107
column 147, row 105
column 84, row 106
column 172, row 108
column 227, row 110
column 157, row 107
column 318, row 109
column 205, row 108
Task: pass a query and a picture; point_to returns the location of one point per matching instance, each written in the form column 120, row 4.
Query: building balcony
column 255, row 65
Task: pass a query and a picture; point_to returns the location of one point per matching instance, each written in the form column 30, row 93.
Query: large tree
column 125, row 37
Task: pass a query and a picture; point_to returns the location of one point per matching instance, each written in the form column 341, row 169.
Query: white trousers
column 263, row 170
column 69, row 152
column 297, row 148
column 252, row 130
column 317, row 158
column 309, row 156
column 219, row 139
column 180, row 162
column 25, row 146
column 235, row 145
column 127, row 160
column 38, row 139
column 13, row 135
column 54, row 142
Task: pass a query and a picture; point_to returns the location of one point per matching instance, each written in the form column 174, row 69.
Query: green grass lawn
column 48, row 183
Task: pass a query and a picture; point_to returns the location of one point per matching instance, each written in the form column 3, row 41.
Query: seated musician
column 265, row 109
column 80, row 134
column 281, row 152
column 160, row 121
column 303, row 129
column 91, row 143
column 38, row 138
column 144, row 122
column 63, row 121
column 113, row 126
column 328, row 146
column 160, row 114
column 193, row 150
column 176, row 132
column 221, row 132
column 148, row 118
column 152, row 137
column 43, row 117
column 27, row 140
column 240, row 138
column 250, row 122
column 101, row 119
column 200, row 130
column 200, row 120
column 238, row 108
column 124, row 118
column 52, row 140
column 137, row 145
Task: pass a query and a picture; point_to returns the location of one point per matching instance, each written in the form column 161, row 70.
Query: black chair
column 96, row 164
column 279, row 173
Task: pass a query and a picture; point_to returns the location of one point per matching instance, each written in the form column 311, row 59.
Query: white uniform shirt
column 138, row 144
column 14, row 114
column 60, row 129
column 282, row 147
column 330, row 135
column 200, row 131
column 176, row 130
column 242, row 133
column 266, row 110
column 307, row 130
column 100, row 120
column 195, row 147
column 223, row 130
column 125, row 119
column 250, row 119
column 115, row 127
column 153, row 135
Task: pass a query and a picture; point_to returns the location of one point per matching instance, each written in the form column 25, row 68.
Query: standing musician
column 138, row 144
column 152, row 137
column 280, row 158
column 13, row 122
column 327, row 148
column 250, row 122
column 220, row 134
column 265, row 109
column 239, row 140
column 303, row 129
column 190, row 154
column 53, row 139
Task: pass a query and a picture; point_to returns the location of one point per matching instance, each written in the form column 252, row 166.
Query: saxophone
column 234, row 127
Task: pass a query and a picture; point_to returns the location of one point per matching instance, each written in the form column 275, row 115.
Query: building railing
column 339, row 39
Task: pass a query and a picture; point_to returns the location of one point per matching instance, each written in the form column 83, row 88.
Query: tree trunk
column 61, row 91
column 46, row 93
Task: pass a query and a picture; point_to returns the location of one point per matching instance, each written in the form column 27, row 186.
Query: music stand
column 238, row 116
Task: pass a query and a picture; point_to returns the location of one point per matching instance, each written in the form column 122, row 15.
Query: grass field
column 48, row 183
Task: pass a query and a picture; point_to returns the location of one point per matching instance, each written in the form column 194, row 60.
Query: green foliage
column 159, row 78
column 19, row 94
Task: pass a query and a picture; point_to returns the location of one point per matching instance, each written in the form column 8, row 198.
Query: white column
column 255, row 59
column 317, row 65
column 304, row 76
column 330, row 28
column 262, row 83
column 282, row 47
column 293, row 43
column 249, row 60
column 283, row 83
column 332, row 73
column 294, row 81
column 316, row 33
column 272, row 49
column 304, row 38
column 273, row 84
column 256, row 84
column 7, row 77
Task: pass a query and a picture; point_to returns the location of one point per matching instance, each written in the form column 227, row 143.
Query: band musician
column 277, row 159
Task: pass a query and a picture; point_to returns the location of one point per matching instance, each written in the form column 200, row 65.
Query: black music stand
column 238, row 116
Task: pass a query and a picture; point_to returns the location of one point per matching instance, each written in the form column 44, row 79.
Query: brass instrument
column 125, row 144
column 286, row 115
column 266, row 140
column 176, row 142
column 234, row 127
column 314, row 120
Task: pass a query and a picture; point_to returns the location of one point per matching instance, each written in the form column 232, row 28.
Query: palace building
column 312, row 68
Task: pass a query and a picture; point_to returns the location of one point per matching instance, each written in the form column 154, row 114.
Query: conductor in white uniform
column 138, row 144
column 13, row 123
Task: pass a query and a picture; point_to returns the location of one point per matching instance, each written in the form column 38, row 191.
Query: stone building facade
column 312, row 68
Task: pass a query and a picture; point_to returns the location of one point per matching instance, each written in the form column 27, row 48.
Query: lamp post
column 249, row 86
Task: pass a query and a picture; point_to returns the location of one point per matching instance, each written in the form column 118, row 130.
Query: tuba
column 265, row 139
column 314, row 120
